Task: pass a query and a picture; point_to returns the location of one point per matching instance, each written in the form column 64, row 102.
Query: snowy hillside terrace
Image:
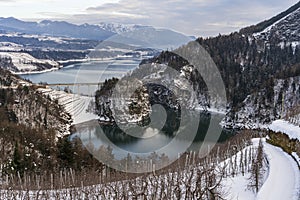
column 229, row 178
column 79, row 107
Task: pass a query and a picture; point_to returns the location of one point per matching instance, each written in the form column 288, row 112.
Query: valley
column 129, row 111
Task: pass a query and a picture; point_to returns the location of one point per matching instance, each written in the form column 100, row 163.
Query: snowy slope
column 237, row 188
column 118, row 28
column 282, row 179
column 23, row 62
column 282, row 182
column 286, row 29
column 268, row 29
column 285, row 127
column 74, row 104
column 10, row 46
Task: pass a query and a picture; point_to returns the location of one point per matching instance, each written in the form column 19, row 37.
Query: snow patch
column 282, row 182
column 25, row 62
column 285, row 127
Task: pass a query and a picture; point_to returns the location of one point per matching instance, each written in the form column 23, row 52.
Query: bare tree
column 257, row 168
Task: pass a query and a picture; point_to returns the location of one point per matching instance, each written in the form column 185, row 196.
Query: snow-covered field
column 25, row 62
column 282, row 179
column 10, row 46
column 59, row 40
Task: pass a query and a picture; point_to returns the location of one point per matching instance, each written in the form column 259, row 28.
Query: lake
column 88, row 72
column 171, row 141
column 177, row 135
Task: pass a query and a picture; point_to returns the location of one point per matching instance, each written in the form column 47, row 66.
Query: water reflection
column 97, row 135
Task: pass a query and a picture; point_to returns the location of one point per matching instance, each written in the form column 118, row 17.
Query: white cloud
column 194, row 17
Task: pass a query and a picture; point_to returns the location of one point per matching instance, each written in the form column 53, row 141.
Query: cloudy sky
column 192, row 17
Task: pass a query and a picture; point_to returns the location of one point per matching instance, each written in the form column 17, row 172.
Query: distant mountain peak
column 56, row 22
column 55, row 28
column 9, row 18
column 119, row 28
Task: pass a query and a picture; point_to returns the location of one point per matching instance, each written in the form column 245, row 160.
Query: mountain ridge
column 263, row 25
column 131, row 34
column 57, row 28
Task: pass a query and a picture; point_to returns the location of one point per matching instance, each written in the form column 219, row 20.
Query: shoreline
column 37, row 72
column 64, row 64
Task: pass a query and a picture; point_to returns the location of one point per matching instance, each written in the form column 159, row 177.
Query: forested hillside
column 32, row 132
column 260, row 71
column 251, row 67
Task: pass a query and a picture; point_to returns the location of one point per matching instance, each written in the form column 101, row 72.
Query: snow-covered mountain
column 286, row 30
column 274, row 37
column 283, row 27
column 147, row 36
column 136, row 35
column 119, row 28
column 55, row 28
